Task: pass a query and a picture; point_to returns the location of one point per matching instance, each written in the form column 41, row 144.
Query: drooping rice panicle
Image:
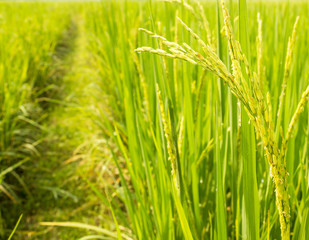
column 169, row 141
column 192, row 33
column 144, row 85
column 286, row 75
column 299, row 110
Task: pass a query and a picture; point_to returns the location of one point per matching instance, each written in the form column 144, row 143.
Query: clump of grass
column 28, row 40
column 248, row 87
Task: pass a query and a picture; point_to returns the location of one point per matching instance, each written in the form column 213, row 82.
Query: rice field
column 172, row 119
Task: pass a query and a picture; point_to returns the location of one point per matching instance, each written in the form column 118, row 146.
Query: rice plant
column 257, row 105
column 169, row 101
column 189, row 118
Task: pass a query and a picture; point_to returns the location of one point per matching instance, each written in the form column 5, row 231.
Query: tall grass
column 252, row 98
column 29, row 34
column 205, row 134
column 195, row 157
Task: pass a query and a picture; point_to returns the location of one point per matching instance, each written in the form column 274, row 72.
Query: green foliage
column 177, row 156
column 230, row 192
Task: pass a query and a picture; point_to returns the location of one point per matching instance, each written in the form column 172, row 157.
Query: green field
column 176, row 119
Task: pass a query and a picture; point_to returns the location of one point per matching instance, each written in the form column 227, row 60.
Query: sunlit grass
column 195, row 138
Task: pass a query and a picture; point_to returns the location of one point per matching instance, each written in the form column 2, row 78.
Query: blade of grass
column 17, row 223
column 251, row 203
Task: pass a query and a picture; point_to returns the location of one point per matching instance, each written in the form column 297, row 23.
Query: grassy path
column 56, row 191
